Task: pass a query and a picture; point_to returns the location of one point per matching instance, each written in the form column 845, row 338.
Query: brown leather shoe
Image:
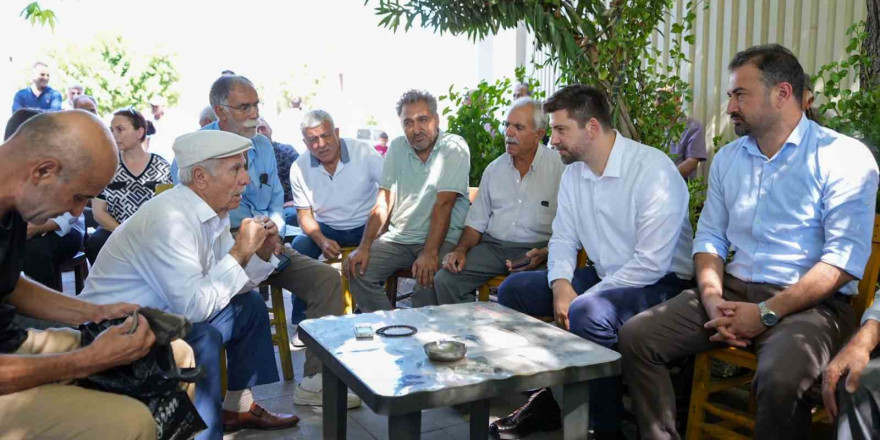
column 257, row 418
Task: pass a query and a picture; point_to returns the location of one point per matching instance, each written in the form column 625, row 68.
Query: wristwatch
column 768, row 317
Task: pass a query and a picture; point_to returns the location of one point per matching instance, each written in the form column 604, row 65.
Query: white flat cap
column 198, row 146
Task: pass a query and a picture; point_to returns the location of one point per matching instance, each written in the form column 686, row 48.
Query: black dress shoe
column 540, row 413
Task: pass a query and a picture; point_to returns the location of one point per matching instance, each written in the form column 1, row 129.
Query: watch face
column 769, row 319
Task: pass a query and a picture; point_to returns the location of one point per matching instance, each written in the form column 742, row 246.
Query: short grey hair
column 84, row 98
column 208, row 113
column 413, row 96
column 185, row 175
column 538, row 114
column 315, row 118
column 221, row 87
column 76, row 86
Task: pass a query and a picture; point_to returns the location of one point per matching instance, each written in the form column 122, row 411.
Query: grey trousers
column 484, row 261
column 386, row 257
column 859, row 413
column 791, row 356
column 316, row 283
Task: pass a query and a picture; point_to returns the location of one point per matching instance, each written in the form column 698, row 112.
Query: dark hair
column 808, row 82
column 583, row 103
column 383, row 135
column 137, row 119
column 777, row 65
column 19, row 117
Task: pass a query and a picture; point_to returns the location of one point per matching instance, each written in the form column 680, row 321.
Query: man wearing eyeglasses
column 237, row 105
column 508, row 225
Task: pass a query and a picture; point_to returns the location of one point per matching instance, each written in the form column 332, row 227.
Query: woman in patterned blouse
column 135, row 181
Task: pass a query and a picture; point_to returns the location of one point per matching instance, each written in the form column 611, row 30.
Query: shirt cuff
column 560, row 270
column 710, row 248
column 63, row 225
column 844, row 263
column 258, row 270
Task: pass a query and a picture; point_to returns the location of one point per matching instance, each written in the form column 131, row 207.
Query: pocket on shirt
column 544, row 215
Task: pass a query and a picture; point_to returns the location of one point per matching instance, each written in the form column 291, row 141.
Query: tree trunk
column 870, row 75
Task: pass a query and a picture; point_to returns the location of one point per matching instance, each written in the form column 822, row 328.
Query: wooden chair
column 80, row 267
column 280, row 337
column 347, row 299
column 162, row 187
column 703, row 385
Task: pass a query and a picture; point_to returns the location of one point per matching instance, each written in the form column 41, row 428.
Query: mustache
column 251, row 123
column 737, row 115
column 511, row 140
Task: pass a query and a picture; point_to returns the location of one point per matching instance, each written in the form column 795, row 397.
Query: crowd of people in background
column 783, row 237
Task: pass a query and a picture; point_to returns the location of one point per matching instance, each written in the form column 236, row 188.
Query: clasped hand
column 736, row 323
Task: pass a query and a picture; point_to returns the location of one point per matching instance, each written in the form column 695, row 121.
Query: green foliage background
column 116, row 75
column 479, row 122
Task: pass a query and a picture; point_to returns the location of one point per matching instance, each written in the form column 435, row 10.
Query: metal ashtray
column 445, row 351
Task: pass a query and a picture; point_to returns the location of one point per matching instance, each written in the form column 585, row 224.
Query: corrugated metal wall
column 815, row 30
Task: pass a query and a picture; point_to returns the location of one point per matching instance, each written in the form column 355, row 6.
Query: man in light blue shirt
column 264, row 195
column 794, row 203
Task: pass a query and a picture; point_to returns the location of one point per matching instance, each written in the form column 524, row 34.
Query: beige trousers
column 63, row 411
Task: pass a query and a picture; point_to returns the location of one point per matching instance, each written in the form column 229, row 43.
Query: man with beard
column 796, row 203
column 626, row 205
column 424, row 187
column 236, row 105
column 511, row 216
column 38, row 94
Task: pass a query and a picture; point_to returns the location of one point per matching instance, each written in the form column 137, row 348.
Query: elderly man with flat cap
column 177, row 254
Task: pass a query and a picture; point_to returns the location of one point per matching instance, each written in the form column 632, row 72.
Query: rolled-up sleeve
column 849, row 203
column 873, row 312
column 711, row 236
column 564, row 243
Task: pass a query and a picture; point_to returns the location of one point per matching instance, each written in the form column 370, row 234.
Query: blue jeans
column 290, row 216
column 243, row 326
column 596, row 317
column 306, row 246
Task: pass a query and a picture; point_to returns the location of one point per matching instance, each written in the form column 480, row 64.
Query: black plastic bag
column 153, row 379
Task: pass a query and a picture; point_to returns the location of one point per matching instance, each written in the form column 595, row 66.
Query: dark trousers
column 859, row 413
column 791, row 356
column 306, row 246
column 44, row 253
column 243, row 327
column 596, row 317
column 95, row 242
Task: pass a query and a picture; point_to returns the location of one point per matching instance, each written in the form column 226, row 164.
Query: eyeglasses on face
column 245, row 108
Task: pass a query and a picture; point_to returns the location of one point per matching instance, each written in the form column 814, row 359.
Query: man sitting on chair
column 796, row 203
column 424, row 187
column 334, row 186
column 511, row 216
column 626, row 205
column 177, row 254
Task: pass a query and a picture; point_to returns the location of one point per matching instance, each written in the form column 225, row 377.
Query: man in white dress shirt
column 511, row 216
column 626, row 205
column 177, row 254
